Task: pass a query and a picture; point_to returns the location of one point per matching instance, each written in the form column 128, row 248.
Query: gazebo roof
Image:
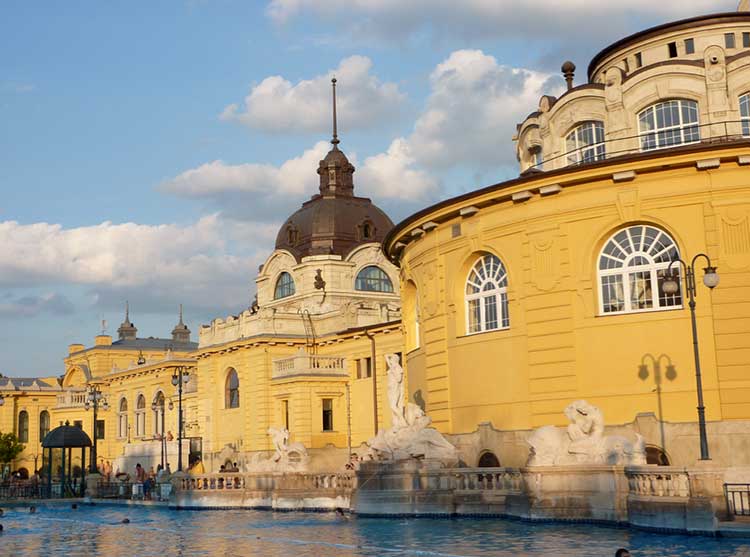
column 66, row 436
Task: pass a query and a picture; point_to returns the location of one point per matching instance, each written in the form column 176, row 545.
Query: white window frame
column 140, row 417
column 122, row 419
column 580, row 152
column 277, row 284
column 627, row 268
column 498, row 279
column 158, row 413
column 681, row 127
column 745, row 114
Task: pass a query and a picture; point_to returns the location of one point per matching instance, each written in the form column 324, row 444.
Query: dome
column 66, row 436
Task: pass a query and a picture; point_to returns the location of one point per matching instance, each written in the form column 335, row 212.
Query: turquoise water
column 97, row 530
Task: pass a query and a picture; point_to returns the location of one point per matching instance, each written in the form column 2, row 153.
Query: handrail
column 741, row 132
column 738, row 499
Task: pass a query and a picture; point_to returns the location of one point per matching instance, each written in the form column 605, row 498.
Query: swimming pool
column 97, row 530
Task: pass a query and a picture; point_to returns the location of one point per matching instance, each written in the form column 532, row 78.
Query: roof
column 66, row 436
column 690, row 23
column 25, row 384
column 153, row 344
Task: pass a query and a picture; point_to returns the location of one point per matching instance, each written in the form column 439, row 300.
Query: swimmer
column 32, row 509
column 340, row 514
column 74, row 506
column 125, row 521
column 1, row 512
column 1, row 527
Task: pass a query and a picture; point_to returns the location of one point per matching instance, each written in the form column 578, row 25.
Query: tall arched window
column 487, row 296
column 373, row 279
column 284, row 286
column 586, row 143
column 232, row 390
column 122, row 419
column 669, row 123
column 43, row 425
column 140, row 416
column 632, row 267
column 23, row 426
column 745, row 114
column 158, row 408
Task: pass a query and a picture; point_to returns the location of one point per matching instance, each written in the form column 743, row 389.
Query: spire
column 181, row 333
column 335, row 140
column 127, row 330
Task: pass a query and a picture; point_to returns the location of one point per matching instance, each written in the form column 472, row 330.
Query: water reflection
column 97, row 530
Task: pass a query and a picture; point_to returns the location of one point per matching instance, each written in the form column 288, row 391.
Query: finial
column 180, row 323
column 127, row 311
column 335, row 139
column 568, row 70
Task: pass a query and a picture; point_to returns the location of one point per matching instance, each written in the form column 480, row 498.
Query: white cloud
column 206, row 262
column 296, row 176
column 489, row 18
column 393, row 175
column 277, row 105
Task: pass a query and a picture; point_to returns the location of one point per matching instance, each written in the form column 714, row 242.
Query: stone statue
column 583, row 441
column 287, row 457
column 409, row 435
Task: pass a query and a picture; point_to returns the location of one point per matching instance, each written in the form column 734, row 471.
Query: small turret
column 127, row 330
column 181, row 333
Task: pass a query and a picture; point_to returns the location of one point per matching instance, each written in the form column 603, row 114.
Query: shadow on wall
column 419, row 400
column 655, row 371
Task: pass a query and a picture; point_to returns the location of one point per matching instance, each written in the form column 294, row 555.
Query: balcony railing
column 308, row 364
column 648, row 142
column 738, row 499
column 71, row 399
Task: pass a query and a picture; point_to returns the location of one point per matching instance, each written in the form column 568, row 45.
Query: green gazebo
column 63, row 466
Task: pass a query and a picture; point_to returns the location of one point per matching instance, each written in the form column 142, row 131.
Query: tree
column 10, row 448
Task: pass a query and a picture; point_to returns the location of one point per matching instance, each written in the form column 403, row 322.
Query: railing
column 308, row 364
column 323, row 481
column 650, row 141
column 488, row 479
column 71, row 399
column 114, row 489
column 738, row 499
column 658, row 483
column 25, row 490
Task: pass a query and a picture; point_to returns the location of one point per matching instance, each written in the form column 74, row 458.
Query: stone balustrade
column 298, row 481
column 660, row 482
column 488, row 479
column 71, row 399
column 308, row 364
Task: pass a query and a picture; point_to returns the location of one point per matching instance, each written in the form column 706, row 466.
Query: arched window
column 23, row 426
column 140, row 416
column 122, row 419
column 656, row 455
column 488, row 460
column 158, row 408
column 632, row 267
column 373, row 279
column 487, row 296
column 284, row 286
column 232, row 390
column 586, row 143
column 43, row 425
column 669, row 123
column 745, row 114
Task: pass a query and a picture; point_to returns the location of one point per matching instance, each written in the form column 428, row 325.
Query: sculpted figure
column 287, row 457
column 583, row 441
column 395, row 389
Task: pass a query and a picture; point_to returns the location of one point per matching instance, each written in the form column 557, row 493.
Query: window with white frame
column 586, row 143
column 487, row 296
column 632, row 268
column 122, row 419
column 140, row 416
column 157, row 406
column 284, row 286
column 669, row 123
column 745, row 114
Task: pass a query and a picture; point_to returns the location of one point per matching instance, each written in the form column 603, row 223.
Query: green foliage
column 10, row 448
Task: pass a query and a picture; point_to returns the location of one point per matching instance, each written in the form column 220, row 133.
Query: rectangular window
column 640, row 290
column 78, row 424
column 689, row 46
column 613, row 297
column 672, row 47
column 285, row 413
column 475, row 316
column 456, row 230
column 327, row 414
column 490, row 312
column 638, row 60
column 364, row 368
column 746, row 40
column 100, row 429
column 729, row 40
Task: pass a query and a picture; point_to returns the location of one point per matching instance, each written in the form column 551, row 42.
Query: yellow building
column 525, row 295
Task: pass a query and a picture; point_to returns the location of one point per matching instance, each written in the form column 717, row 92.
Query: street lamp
column 157, row 405
column 94, row 399
column 671, row 286
column 180, row 377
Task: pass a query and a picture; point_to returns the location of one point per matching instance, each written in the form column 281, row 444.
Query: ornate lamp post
column 158, row 405
column 94, row 399
column 671, row 286
column 180, row 377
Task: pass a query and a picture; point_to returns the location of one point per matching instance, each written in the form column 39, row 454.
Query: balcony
column 71, row 399
column 308, row 365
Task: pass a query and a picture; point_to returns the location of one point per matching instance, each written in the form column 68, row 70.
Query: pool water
column 97, row 530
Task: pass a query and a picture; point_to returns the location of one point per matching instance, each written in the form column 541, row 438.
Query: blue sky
column 149, row 150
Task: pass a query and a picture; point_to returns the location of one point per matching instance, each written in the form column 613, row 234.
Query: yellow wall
column 558, row 347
